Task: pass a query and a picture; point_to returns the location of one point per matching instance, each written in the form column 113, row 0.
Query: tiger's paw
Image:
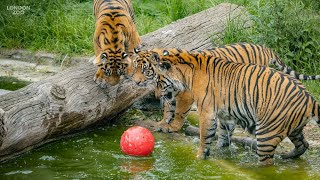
column 267, row 162
column 166, row 128
column 101, row 82
column 203, row 154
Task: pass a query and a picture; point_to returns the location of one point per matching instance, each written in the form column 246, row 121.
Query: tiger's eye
column 103, row 56
column 124, row 55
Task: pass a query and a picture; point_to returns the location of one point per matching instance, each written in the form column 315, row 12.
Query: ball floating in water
column 137, row 141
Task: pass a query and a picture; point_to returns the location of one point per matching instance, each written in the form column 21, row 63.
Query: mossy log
column 70, row 101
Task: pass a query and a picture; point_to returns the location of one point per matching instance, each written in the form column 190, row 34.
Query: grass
column 291, row 28
column 57, row 26
column 11, row 83
column 313, row 88
column 67, row 26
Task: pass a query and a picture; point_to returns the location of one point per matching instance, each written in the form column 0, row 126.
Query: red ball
column 137, row 141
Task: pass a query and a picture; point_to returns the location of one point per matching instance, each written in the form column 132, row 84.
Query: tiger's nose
column 139, row 83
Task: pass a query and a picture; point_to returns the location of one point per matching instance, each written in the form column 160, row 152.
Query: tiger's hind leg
column 300, row 143
column 226, row 128
column 267, row 143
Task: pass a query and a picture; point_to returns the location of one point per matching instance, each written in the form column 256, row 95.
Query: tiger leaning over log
column 174, row 109
column 115, row 38
column 268, row 103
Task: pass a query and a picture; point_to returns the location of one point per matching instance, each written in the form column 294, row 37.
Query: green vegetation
column 67, row 26
column 10, row 83
column 64, row 26
column 291, row 28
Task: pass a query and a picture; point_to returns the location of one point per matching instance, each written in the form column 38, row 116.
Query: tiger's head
column 171, row 77
column 113, row 65
column 147, row 66
column 144, row 68
column 111, row 53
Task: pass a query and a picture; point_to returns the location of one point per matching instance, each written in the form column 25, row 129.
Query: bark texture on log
column 196, row 32
column 71, row 101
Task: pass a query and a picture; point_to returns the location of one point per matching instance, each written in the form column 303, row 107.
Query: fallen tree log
column 70, row 101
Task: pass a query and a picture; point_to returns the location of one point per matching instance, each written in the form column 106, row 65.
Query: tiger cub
column 269, row 104
column 115, row 38
column 173, row 113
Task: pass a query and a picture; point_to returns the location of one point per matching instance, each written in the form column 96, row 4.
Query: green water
column 97, row 155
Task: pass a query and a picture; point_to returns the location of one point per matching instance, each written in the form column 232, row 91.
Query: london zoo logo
column 18, row 10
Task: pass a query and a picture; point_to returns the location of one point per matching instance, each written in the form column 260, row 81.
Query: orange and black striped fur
column 241, row 52
column 267, row 103
column 256, row 54
column 115, row 38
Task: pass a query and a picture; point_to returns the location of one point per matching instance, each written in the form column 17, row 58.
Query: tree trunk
column 70, row 101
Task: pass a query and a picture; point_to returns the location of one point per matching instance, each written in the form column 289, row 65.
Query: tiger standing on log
column 174, row 110
column 115, row 38
column 269, row 104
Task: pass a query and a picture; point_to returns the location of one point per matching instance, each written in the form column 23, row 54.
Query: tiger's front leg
column 175, row 112
column 208, row 126
column 168, row 113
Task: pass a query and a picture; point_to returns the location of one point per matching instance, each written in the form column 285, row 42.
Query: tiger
column 115, row 38
column 173, row 113
column 267, row 103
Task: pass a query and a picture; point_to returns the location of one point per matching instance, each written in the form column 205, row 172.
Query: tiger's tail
column 316, row 112
column 287, row 70
column 318, row 116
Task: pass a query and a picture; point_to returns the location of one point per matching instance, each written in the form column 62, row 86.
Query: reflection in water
column 137, row 165
column 18, row 172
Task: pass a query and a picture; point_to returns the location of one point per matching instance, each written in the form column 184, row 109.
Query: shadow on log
column 70, row 101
